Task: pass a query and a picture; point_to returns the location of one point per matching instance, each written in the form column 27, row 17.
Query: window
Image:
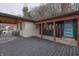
column 20, row 26
column 59, row 29
column 17, row 26
column 47, row 30
column 68, row 28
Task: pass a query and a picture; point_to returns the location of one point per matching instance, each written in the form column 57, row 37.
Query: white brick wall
column 28, row 29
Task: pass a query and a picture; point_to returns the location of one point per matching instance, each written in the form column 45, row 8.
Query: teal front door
column 68, row 28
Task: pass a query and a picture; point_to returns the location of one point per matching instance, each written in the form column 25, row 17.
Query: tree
column 48, row 10
column 26, row 13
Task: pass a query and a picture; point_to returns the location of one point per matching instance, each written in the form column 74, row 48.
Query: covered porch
column 64, row 29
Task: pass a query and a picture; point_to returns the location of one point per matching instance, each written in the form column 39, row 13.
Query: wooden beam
column 18, row 21
column 9, row 20
column 58, row 19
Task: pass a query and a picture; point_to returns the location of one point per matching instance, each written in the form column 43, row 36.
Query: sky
column 16, row 8
column 12, row 8
column 32, row 5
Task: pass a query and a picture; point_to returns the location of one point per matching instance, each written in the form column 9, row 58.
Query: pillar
column 78, row 31
column 54, row 34
column 41, row 30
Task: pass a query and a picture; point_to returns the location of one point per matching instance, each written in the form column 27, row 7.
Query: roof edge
column 15, row 17
column 65, row 15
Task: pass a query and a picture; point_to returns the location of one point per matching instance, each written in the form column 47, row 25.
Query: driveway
column 35, row 46
column 6, row 37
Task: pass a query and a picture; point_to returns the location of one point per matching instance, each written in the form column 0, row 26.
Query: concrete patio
column 34, row 46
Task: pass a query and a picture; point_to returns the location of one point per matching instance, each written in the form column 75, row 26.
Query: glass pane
column 68, row 28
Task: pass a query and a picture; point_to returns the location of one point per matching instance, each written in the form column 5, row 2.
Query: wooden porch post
column 54, row 34
column 78, row 31
column 41, row 30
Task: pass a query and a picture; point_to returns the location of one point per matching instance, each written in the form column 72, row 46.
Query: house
column 63, row 28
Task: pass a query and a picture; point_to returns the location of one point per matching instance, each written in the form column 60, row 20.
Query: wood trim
column 19, row 21
column 9, row 20
column 59, row 19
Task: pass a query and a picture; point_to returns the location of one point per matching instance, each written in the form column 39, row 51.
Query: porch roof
column 61, row 16
column 14, row 17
